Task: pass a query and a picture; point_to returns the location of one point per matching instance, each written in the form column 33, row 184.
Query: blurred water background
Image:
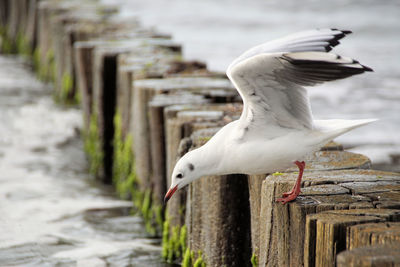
column 217, row 31
column 52, row 211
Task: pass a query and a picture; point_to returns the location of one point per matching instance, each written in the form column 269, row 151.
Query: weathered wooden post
column 182, row 121
column 4, row 13
column 331, row 229
column 145, row 63
column 99, row 99
column 17, row 19
column 157, row 137
column 44, row 53
column 144, row 90
column 218, row 216
column 286, row 229
column 373, row 234
column 378, row 255
column 32, row 27
column 84, row 64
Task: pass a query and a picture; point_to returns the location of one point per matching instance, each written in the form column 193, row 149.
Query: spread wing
column 270, row 77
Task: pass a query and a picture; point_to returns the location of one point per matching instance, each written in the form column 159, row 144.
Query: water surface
column 52, row 212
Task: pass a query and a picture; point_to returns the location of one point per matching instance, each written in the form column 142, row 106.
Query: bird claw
column 287, row 197
column 282, row 200
column 286, row 194
column 292, row 194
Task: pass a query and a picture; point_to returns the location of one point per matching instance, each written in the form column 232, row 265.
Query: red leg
column 292, row 194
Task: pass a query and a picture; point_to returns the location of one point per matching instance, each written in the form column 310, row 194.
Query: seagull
column 276, row 127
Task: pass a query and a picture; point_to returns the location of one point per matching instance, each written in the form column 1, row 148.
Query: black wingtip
column 334, row 42
column 343, row 31
column 366, row 68
column 328, row 48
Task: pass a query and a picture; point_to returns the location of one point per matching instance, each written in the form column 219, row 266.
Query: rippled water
column 51, row 212
column 217, row 31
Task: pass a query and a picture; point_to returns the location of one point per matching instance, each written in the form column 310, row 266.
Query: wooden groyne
column 144, row 106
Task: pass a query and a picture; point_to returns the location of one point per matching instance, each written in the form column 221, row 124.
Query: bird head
column 184, row 173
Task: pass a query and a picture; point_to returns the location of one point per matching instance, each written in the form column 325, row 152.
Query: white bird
column 276, row 128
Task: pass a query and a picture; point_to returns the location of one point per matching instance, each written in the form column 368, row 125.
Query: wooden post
column 144, row 90
column 322, row 190
column 182, row 121
column 4, row 12
column 380, row 255
column 104, row 91
column 158, row 129
column 84, row 77
column 74, row 23
column 104, row 100
column 46, row 10
column 157, row 137
column 374, row 234
column 84, row 69
column 30, row 33
column 218, row 219
column 331, row 229
column 17, row 19
column 145, row 63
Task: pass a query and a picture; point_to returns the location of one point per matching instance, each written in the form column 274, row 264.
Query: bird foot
column 286, row 194
column 287, row 197
column 292, row 194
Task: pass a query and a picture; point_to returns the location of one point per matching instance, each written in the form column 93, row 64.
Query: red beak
column 169, row 194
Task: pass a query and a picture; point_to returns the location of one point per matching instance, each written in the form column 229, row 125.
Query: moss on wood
column 124, row 174
column 67, row 96
column 199, row 262
column 173, row 242
column 188, row 258
column 254, row 260
column 7, row 46
column 50, row 67
column 126, row 183
column 36, row 60
column 92, row 146
column 22, row 46
column 174, row 247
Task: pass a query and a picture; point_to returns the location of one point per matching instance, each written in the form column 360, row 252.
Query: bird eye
column 179, row 175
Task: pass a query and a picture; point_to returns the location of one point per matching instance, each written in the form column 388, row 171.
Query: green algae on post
column 254, row 260
column 199, row 261
column 50, row 67
column 36, row 60
column 188, row 258
column 122, row 160
column 183, row 238
column 22, row 45
column 6, row 43
column 174, row 243
column 67, row 84
column 46, row 70
column 92, row 145
column 165, row 237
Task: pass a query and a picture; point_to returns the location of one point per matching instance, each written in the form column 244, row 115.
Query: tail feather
column 333, row 128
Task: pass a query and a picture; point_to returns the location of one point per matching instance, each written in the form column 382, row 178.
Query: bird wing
column 270, row 77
